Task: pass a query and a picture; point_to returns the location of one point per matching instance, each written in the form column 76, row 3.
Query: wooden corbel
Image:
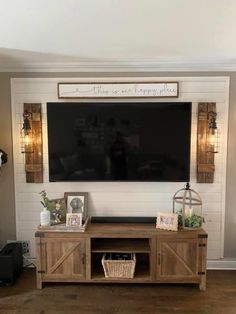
column 34, row 160
column 205, row 158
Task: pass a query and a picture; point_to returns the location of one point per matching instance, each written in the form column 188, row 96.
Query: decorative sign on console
column 118, row 90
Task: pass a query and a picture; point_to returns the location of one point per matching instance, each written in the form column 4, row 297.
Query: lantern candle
column 190, row 212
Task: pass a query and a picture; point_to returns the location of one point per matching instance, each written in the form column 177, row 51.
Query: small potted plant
column 56, row 208
column 45, row 215
column 45, row 202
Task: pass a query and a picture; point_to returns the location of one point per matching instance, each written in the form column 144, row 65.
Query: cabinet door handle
column 83, row 259
column 159, row 258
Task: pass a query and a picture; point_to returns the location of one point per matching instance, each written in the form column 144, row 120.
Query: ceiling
column 108, row 34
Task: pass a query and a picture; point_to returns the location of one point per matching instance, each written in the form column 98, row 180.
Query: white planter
column 45, row 217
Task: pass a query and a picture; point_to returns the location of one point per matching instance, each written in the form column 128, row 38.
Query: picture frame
column 167, row 221
column 57, row 208
column 77, row 202
column 74, row 220
column 83, row 90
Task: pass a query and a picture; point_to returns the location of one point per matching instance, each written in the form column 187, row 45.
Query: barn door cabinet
column 60, row 258
column 182, row 259
column 161, row 256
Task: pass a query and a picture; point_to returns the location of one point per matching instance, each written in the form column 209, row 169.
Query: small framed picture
column 73, row 220
column 77, row 203
column 167, row 221
column 57, row 208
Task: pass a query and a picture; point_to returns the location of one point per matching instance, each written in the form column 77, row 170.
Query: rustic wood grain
column 202, row 244
column 162, row 256
column 34, row 161
column 62, row 259
column 39, row 263
column 205, row 159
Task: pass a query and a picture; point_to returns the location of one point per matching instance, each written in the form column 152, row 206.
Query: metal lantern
column 188, row 204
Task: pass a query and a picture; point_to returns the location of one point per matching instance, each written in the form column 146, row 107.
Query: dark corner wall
column 230, row 217
column 7, row 207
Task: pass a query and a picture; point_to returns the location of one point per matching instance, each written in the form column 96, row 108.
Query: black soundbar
column 122, row 219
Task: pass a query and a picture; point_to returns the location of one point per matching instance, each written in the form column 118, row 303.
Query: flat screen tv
column 119, row 141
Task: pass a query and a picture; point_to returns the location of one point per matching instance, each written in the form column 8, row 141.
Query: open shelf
column 103, row 245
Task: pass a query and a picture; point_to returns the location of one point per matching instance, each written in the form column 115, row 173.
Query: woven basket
column 119, row 268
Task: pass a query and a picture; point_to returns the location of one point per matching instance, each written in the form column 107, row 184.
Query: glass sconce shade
column 27, row 138
column 213, row 137
column 214, row 141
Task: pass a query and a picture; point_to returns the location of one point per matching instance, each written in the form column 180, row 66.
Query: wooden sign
column 205, row 158
column 167, row 221
column 34, row 160
column 118, row 90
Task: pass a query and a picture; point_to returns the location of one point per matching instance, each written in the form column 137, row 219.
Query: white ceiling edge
column 119, row 66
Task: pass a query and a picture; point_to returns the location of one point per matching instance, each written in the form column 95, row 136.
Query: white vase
column 45, row 217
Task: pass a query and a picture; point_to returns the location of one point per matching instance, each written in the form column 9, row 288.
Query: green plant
column 194, row 221
column 45, row 200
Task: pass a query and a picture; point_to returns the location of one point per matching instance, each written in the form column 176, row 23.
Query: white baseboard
column 223, row 264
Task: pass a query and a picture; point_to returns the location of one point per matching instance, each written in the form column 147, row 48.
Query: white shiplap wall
column 125, row 199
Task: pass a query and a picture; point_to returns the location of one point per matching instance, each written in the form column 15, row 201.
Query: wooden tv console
column 162, row 256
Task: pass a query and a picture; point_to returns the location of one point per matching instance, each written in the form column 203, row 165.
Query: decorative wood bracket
column 34, row 160
column 205, row 158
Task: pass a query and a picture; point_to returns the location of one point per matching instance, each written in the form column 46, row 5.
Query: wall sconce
column 31, row 143
column 27, row 138
column 213, row 138
column 207, row 142
column 3, row 158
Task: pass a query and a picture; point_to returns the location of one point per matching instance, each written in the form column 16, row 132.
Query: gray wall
column 230, row 218
column 7, row 220
column 7, row 205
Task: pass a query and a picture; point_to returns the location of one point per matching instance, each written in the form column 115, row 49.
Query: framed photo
column 77, row 203
column 167, row 221
column 57, row 208
column 73, row 220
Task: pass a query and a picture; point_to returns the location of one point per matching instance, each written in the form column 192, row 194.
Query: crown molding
column 121, row 66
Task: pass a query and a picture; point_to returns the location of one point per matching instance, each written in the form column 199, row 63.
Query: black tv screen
column 120, row 141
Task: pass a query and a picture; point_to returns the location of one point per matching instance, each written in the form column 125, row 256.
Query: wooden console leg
column 38, row 262
column 202, row 285
column 39, row 282
column 202, row 263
